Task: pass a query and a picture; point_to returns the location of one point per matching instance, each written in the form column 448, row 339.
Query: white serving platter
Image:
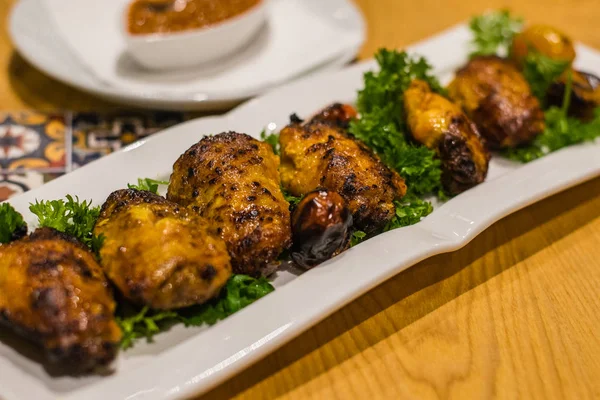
column 184, row 362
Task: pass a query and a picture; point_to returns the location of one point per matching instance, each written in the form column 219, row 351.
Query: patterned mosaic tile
column 31, row 141
column 95, row 135
column 36, row 148
column 14, row 184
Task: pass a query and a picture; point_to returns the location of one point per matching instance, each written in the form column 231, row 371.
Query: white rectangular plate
column 184, row 361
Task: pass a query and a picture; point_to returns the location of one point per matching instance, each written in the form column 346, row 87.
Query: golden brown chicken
column 441, row 125
column 321, row 156
column 157, row 253
column 232, row 180
column 53, row 292
column 496, row 96
column 585, row 93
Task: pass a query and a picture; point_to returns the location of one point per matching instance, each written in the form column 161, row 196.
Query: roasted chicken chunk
column 232, row 180
column 496, row 96
column 337, row 114
column 441, row 125
column 53, row 292
column 157, row 253
column 319, row 155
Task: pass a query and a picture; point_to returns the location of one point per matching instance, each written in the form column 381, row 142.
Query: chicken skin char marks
column 496, row 96
column 320, row 155
column 232, row 180
column 53, row 292
column 441, row 125
column 157, row 253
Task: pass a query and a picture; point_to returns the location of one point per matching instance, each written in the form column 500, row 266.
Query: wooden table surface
column 515, row 314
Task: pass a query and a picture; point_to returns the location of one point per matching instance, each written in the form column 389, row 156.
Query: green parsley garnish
column 239, row 292
column 290, row 198
column 72, row 217
column 357, row 237
column 409, row 211
column 541, row 71
column 147, row 184
column 382, row 124
column 11, row 223
column 272, row 139
column 493, row 33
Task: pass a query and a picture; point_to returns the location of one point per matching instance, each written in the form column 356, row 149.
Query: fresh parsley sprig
column 239, row 292
column 382, row 123
column 73, row 217
column 541, row 71
column 272, row 139
column 493, row 33
column 150, row 185
column 12, row 224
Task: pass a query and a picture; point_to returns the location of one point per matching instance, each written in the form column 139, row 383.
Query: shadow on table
column 427, row 273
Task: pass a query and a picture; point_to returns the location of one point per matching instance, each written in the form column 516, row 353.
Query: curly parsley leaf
column 541, row 71
column 12, row 224
column 73, row 217
column 290, row 198
column 144, row 324
column 272, row 139
column 147, row 184
column 382, row 125
column 410, row 210
column 493, row 33
column 239, row 292
column 357, row 237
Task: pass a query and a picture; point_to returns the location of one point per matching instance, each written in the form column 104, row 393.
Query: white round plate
column 37, row 39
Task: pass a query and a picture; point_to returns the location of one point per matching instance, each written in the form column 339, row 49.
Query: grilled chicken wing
column 320, row 156
column 232, row 180
column 53, row 292
column 495, row 95
column 440, row 125
column 157, row 254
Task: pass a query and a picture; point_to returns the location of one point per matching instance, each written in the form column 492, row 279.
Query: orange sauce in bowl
column 167, row 16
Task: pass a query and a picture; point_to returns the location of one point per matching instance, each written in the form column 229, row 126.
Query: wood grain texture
column 515, row 314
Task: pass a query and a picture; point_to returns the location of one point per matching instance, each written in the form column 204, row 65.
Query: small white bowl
column 161, row 51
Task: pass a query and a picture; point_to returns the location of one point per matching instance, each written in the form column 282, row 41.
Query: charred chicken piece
column 441, row 125
column 232, row 180
column 544, row 39
column 320, row 227
column 319, row 156
column 53, row 292
column 157, row 253
column 338, row 115
column 496, row 96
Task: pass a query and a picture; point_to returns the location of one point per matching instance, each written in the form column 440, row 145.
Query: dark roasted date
column 320, row 227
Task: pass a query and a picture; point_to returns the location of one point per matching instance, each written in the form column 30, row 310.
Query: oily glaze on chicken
column 157, row 253
column 441, row 125
column 53, row 292
column 321, row 156
column 496, row 96
column 232, row 180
